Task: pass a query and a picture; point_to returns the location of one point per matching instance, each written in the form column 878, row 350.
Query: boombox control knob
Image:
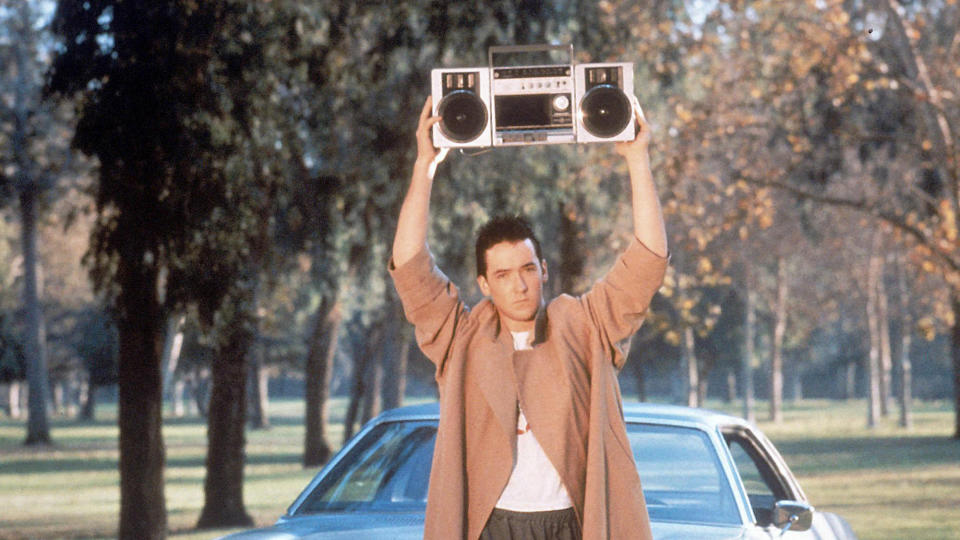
column 561, row 103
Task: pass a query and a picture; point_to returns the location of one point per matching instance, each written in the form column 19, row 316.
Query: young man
column 531, row 442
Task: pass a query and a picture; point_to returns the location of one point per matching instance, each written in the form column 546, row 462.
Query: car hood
column 404, row 526
column 360, row 526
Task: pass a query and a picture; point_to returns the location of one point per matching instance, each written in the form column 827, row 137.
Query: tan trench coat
column 566, row 385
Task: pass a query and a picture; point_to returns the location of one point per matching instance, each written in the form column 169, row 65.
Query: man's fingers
column 426, row 110
column 638, row 111
column 427, row 105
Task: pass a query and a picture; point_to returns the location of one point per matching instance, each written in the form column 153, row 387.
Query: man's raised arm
column 414, row 217
column 647, row 216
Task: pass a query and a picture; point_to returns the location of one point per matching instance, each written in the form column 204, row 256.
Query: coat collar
column 540, row 326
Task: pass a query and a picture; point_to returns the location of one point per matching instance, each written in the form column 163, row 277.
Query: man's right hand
column 427, row 154
column 412, row 223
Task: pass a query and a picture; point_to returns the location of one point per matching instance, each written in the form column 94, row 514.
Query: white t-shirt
column 534, row 484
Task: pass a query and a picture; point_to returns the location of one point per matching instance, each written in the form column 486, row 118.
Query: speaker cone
column 464, row 116
column 606, row 111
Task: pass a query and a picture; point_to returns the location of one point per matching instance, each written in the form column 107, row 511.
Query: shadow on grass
column 46, row 464
column 844, row 454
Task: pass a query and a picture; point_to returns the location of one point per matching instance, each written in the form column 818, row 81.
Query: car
column 705, row 475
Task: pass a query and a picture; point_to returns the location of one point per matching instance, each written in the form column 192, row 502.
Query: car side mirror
column 792, row 516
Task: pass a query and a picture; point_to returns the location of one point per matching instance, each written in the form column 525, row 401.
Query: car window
column 756, row 476
column 387, row 470
column 681, row 475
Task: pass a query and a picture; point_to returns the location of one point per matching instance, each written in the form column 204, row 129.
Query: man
column 531, row 442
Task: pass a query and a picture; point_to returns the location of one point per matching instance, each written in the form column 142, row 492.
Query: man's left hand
column 637, row 148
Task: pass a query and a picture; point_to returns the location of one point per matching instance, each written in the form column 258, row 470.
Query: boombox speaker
column 604, row 110
column 462, row 98
column 539, row 102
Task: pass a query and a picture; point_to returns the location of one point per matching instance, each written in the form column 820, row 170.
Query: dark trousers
column 549, row 525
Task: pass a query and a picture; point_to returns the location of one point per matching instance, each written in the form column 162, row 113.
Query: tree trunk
column 88, row 411
column 874, row 274
column 776, row 357
column 796, row 375
column 177, row 397
column 372, row 402
column 395, row 361
column 59, row 403
column 201, row 394
column 259, row 402
column 886, row 361
column 395, row 379
column 172, row 343
column 640, row 375
column 692, row 385
column 318, row 370
column 223, row 488
column 731, row 386
column 572, row 256
column 850, row 381
column 38, row 423
column 906, row 338
column 955, row 355
column 357, row 390
column 13, row 399
column 746, row 362
column 143, row 511
column 364, row 361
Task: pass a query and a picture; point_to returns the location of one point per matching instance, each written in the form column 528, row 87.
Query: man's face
column 514, row 282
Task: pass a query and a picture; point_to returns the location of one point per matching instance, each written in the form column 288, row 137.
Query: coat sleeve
column 617, row 304
column 432, row 303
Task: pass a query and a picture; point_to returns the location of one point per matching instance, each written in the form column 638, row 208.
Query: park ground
column 890, row 484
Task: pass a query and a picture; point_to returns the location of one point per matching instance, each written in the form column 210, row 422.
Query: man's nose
column 520, row 284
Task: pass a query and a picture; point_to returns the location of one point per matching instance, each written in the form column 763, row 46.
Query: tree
column 97, row 347
column 161, row 132
column 33, row 154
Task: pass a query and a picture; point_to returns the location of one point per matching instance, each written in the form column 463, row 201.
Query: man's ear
column 543, row 266
column 484, row 286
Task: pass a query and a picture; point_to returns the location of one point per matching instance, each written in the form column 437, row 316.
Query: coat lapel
column 495, row 377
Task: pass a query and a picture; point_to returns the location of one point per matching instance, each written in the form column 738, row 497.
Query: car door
column 765, row 478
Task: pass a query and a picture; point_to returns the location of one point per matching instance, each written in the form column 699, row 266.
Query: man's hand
column 427, row 154
column 647, row 215
column 637, row 148
column 412, row 223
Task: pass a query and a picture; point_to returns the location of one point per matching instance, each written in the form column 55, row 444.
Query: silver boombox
column 523, row 103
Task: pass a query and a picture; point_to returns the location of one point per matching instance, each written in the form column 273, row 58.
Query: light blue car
column 705, row 475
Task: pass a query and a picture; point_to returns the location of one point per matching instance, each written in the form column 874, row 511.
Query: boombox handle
column 514, row 49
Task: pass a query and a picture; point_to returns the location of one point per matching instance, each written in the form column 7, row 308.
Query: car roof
column 633, row 412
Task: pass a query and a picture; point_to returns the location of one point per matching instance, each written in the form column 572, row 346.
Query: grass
column 888, row 483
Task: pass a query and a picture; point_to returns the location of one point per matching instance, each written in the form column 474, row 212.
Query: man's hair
column 503, row 229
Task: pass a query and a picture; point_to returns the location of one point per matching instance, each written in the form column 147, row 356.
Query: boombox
column 538, row 102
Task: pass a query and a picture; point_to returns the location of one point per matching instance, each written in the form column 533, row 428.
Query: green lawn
column 888, row 483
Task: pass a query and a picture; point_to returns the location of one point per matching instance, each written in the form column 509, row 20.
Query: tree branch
column 950, row 257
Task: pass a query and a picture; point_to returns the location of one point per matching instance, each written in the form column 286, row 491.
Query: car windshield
column 388, row 470
column 681, row 475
